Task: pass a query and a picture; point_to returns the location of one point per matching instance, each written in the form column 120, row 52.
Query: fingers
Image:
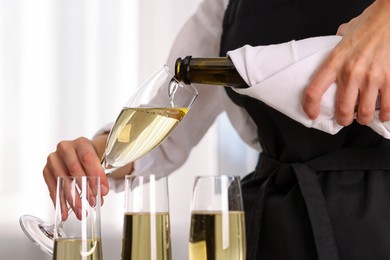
column 356, row 83
column 84, row 162
column 368, row 94
column 320, row 82
column 359, row 65
column 52, row 170
column 342, row 28
column 64, row 206
column 70, row 197
column 90, row 163
column 350, row 82
column 74, row 158
column 384, row 114
column 78, row 194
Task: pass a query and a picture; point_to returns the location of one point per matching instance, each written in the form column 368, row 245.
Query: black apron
column 313, row 195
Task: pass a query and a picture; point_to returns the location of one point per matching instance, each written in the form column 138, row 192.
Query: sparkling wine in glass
column 217, row 229
column 146, row 230
column 146, row 120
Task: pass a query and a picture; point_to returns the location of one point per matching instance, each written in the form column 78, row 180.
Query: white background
column 66, row 69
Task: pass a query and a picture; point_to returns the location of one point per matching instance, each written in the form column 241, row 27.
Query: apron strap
column 318, row 213
column 253, row 234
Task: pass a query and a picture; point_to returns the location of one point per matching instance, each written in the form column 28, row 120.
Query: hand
column 360, row 65
column 78, row 157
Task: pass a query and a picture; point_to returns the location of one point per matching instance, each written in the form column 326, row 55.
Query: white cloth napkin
column 278, row 75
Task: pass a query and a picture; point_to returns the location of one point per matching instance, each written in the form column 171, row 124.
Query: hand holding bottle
column 277, row 75
column 360, row 64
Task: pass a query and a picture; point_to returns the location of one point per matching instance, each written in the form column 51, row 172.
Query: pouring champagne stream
column 140, row 127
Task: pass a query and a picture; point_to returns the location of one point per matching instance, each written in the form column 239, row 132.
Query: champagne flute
column 83, row 237
column 147, row 119
column 217, row 219
column 146, row 230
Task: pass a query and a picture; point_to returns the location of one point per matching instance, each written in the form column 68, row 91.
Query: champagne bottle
column 213, row 71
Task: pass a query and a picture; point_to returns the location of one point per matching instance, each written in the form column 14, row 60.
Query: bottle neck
column 213, row 71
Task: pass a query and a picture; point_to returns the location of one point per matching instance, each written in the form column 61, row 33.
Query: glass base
column 40, row 233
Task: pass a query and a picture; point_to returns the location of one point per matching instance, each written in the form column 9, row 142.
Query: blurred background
column 66, row 69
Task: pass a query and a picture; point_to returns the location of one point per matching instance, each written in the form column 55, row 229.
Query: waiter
column 312, row 195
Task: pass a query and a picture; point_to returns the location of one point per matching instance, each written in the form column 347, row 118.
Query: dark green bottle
column 212, row 71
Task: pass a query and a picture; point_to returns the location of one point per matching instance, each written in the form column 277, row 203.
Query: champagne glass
column 146, row 231
column 147, row 119
column 83, row 236
column 217, row 229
